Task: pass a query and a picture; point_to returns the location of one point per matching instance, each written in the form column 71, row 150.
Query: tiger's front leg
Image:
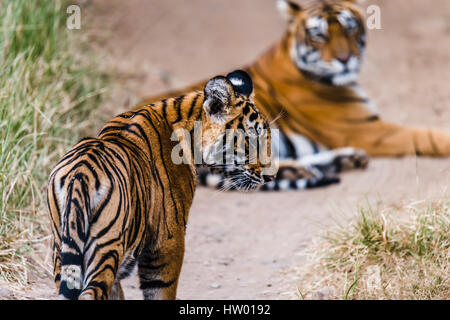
column 159, row 269
column 351, row 158
column 324, row 163
column 336, row 160
column 316, row 170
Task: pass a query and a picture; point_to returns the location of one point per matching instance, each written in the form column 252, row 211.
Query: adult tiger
column 121, row 199
column 310, row 78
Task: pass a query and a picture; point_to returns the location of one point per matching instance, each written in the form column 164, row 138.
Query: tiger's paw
column 291, row 170
column 351, row 158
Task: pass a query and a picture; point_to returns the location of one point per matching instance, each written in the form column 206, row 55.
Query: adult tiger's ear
column 355, row 2
column 288, row 9
column 219, row 98
column 241, row 81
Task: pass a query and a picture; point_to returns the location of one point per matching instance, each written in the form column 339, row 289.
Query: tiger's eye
column 317, row 28
column 348, row 21
column 316, row 35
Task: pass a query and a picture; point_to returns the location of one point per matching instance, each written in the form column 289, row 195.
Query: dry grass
column 385, row 254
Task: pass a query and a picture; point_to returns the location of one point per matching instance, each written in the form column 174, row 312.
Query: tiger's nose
column 268, row 178
column 343, row 57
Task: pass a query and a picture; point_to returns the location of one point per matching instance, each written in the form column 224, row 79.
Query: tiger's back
column 121, row 186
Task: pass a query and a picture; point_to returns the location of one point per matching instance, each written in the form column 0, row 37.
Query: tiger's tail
column 74, row 232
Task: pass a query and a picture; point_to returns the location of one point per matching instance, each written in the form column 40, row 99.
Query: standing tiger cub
column 119, row 199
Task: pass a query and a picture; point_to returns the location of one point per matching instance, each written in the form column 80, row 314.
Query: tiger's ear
column 288, row 9
column 356, row 2
column 219, row 97
column 241, row 81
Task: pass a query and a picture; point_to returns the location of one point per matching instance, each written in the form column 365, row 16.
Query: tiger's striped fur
column 309, row 77
column 119, row 200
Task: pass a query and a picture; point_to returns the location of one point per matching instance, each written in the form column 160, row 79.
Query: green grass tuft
column 47, row 92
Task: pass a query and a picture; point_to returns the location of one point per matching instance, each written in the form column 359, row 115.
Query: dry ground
column 238, row 244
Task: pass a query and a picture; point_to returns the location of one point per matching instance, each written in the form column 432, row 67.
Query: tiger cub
column 123, row 198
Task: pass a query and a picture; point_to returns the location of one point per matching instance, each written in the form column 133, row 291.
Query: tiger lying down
column 306, row 85
column 123, row 198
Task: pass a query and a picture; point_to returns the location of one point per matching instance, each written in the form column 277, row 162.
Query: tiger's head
column 236, row 136
column 326, row 39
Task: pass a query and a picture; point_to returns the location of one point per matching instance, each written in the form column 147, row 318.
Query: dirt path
column 237, row 244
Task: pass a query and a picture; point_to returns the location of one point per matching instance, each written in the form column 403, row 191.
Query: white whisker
column 280, row 115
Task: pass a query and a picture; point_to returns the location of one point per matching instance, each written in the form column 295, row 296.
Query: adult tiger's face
column 327, row 39
column 236, row 138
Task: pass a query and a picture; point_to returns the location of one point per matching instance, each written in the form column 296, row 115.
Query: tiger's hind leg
column 160, row 269
column 116, row 291
column 125, row 270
